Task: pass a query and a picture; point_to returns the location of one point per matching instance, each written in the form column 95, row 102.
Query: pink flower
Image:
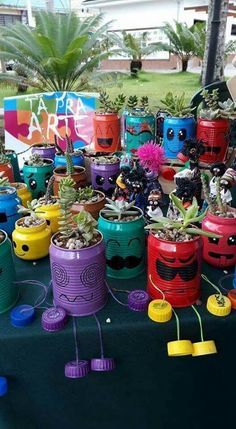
column 151, row 156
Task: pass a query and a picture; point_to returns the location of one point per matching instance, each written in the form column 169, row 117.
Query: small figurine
column 151, row 157
column 153, row 208
column 192, row 150
column 185, row 191
column 135, row 181
column 217, row 170
column 226, row 182
column 121, row 190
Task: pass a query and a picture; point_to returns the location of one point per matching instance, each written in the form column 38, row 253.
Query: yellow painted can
column 31, row 243
column 50, row 212
column 23, row 192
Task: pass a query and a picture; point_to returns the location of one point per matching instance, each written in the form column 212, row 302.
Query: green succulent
column 35, row 160
column 186, row 224
column 67, row 196
column 84, row 193
column 4, row 181
column 176, row 105
column 138, row 107
column 111, row 106
column 85, row 225
column 70, row 169
column 119, row 208
column 214, row 109
column 3, row 158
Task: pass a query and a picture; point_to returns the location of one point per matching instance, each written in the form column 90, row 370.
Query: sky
column 58, row 4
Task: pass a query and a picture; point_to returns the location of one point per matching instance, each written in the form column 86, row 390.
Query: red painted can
column 7, row 171
column 220, row 252
column 215, row 137
column 175, row 268
column 107, row 132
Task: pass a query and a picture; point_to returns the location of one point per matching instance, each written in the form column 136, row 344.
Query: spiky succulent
column 214, row 109
column 84, row 193
column 138, row 107
column 119, row 208
column 111, row 106
column 186, row 224
column 35, row 160
column 70, row 169
column 4, row 181
column 49, row 190
column 176, row 105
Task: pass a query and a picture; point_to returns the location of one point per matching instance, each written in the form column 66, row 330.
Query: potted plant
column 139, row 123
column 12, row 157
column 77, row 260
column 45, row 150
column 221, row 218
column 77, row 156
column 37, row 172
column 104, row 172
column 178, row 126
column 90, row 200
column 31, row 236
column 8, row 208
column 6, row 167
column 175, row 256
column 213, row 126
column 77, row 173
column 8, row 290
column 48, row 207
column 106, row 123
column 122, row 225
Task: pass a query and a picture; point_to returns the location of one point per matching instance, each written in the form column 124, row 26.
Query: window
column 9, row 19
column 233, row 29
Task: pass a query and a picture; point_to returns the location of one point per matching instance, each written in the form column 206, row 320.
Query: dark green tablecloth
column 148, row 389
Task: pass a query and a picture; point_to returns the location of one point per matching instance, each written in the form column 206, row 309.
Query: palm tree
column 136, row 48
column 181, row 42
column 59, row 54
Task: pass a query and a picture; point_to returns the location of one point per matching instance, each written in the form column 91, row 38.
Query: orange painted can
column 107, row 132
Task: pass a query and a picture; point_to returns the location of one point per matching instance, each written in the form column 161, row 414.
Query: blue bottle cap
column 22, row 315
column 3, row 386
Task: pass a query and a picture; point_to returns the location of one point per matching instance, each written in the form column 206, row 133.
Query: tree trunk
column 184, row 64
column 218, row 72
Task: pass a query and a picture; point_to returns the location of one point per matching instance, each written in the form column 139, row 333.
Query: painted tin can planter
column 23, row 193
column 138, row 130
column 9, row 292
column 92, row 208
column 106, row 132
column 77, row 159
column 103, row 177
column 175, row 268
column 79, row 176
column 13, row 158
column 31, row 243
column 215, row 135
column 45, row 151
column 125, row 246
column 220, row 252
column 50, row 212
column 160, row 116
column 37, row 177
column 78, row 278
column 7, row 171
column 175, row 131
column 8, row 208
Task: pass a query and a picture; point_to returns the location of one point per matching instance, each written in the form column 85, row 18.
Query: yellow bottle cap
column 219, row 305
column 180, row 348
column 204, row 348
column 160, row 311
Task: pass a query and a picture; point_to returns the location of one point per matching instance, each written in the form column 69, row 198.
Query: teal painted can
column 9, row 292
column 138, row 130
column 37, row 177
column 125, row 246
column 13, row 158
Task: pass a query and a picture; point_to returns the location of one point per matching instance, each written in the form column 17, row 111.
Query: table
column 148, row 389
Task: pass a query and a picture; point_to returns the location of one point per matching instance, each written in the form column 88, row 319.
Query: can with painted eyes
column 175, row 131
column 36, row 177
column 220, row 252
column 103, row 176
column 125, row 243
column 9, row 292
column 78, row 277
column 31, row 242
column 50, row 212
column 215, row 136
column 8, row 208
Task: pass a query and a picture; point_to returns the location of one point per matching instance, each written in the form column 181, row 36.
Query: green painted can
column 12, row 156
column 37, row 177
column 125, row 246
column 9, row 292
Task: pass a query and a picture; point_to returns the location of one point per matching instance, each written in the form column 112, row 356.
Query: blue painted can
column 175, row 131
column 138, row 130
column 8, row 208
column 77, row 159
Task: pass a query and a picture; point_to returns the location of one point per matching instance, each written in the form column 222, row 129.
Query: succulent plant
column 3, row 158
column 105, row 159
column 119, row 208
column 138, row 107
column 109, row 106
column 4, row 181
column 176, row 105
column 214, row 109
column 185, row 226
column 70, row 169
column 84, row 193
column 35, row 160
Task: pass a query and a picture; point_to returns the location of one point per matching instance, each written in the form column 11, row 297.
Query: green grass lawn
column 153, row 85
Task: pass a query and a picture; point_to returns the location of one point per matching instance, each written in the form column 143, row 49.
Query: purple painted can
column 103, row 177
column 78, row 278
column 45, row 151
